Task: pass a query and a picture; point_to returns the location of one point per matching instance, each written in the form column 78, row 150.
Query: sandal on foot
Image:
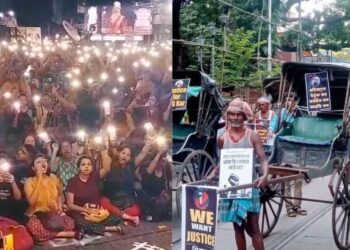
column 79, row 235
column 291, row 213
column 301, row 211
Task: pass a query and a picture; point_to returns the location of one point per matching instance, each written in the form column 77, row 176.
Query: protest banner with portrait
column 180, row 87
column 317, row 92
column 262, row 126
column 199, row 212
column 259, row 125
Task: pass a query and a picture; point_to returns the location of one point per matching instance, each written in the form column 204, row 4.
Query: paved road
column 148, row 235
column 313, row 231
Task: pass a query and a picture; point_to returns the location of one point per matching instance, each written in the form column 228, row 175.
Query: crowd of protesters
column 84, row 136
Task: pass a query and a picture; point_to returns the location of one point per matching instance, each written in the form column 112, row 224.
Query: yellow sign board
column 8, row 242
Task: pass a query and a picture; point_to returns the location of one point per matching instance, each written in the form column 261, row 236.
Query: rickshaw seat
column 313, row 131
column 181, row 131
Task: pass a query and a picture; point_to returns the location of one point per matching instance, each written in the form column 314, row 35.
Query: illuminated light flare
column 112, row 130
column 36, row 98
column 7, row 95
column 121, row 79
column 81, row 134
column 98, row 140
column 75, row 83
column 44, row 136
column 160, row 140
column 104, row 76
column 148, row 126
column 107, row 107
column 76, row 71
column 5, row 166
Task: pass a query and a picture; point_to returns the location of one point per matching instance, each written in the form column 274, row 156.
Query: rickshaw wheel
column 271, row 200
column 341, row 210
column 197, row 166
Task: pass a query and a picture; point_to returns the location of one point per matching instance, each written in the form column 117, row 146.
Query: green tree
column 240, row 65
column 326, row 29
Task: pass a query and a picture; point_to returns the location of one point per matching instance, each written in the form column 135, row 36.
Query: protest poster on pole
column 236, row 168
column 317, row 92
column 199, row 216
column 180, row 87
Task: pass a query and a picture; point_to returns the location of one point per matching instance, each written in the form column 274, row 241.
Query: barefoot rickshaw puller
column 244, row 213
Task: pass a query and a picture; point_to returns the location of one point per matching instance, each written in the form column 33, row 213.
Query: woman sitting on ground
column 45, row 198
column 155, row 196
column 83, row 201
column 118, row 187
column 9, row 191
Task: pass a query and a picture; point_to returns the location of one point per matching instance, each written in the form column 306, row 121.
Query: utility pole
column 212, row 30
column 269, row 43
column 299, row 47
column 224, row 19
column 212, row 67
column 301, row 54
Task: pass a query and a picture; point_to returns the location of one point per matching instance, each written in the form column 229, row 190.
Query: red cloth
column 21, row 237
column 134, row 210
column 40, row 233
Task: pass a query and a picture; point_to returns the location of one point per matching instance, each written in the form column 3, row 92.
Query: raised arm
column 106, row 163
column 66, row 104
column 167, row 112
column 129, row 120
column 54, row 159
column 152, row 166
column 15, row 120
column 141, row 156
column 16, row 193
column 32, row 191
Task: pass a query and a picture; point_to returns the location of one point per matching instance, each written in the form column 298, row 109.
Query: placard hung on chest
column 236, row 168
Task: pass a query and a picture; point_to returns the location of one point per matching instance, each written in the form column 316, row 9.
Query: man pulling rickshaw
column 244, row 213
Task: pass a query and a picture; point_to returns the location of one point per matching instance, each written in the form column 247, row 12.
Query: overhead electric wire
column 222, row 49
column 266, row 21
column 226, row 51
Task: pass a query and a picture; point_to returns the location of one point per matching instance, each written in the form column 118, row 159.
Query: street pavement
column 148, row 235
column 313, row 231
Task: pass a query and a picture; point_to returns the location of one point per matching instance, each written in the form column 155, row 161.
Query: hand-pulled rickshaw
column 194, row 130
column 316, row 144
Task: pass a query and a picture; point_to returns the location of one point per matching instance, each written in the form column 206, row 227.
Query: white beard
column 236, row 125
